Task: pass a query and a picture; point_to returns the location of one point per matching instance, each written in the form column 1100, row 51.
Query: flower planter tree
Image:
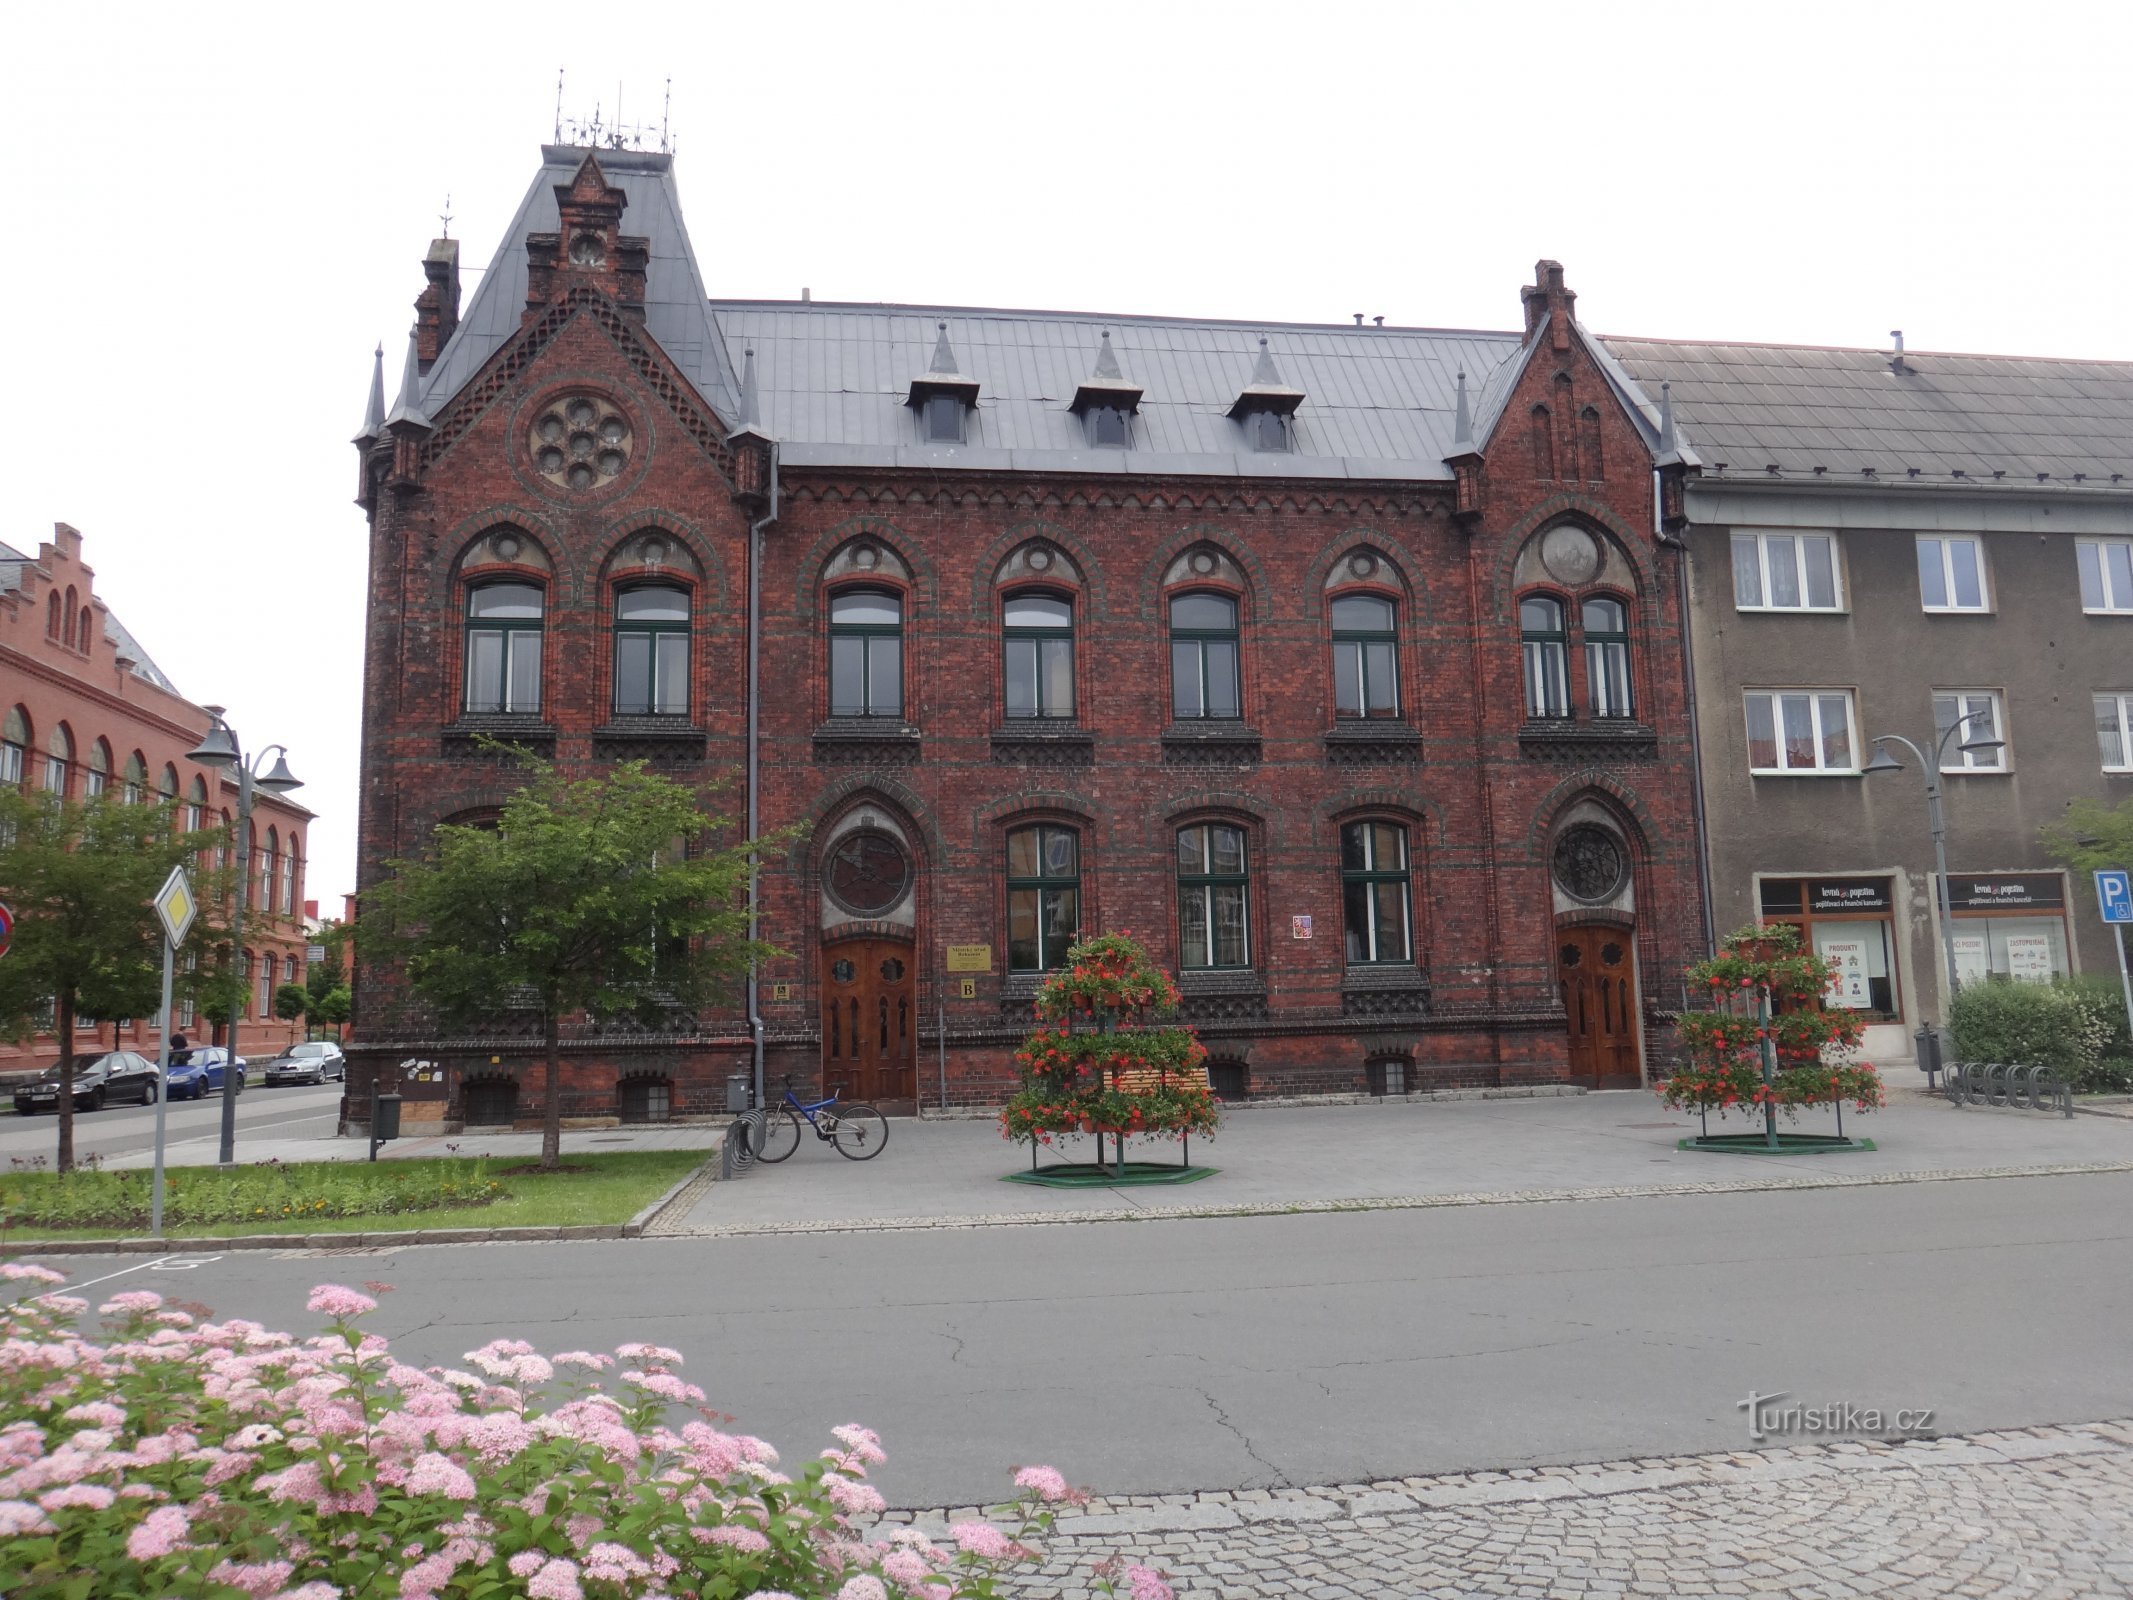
column 1769, row 1044
column 1098, row 1063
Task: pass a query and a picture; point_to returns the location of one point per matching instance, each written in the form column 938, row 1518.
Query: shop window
column 1951, row 573
column 1792, row 731
column 1847, row 922
column 1786, row 572
column 645, row 1100
column 1039, row 656
column 1365, row 657
column 1203, row 657
column 2106, row 574
column 1374, row 897
column 866, row 654
column 1214, row 913
column 652, row 651
column 1043, row 896
column 2009, row 925
column 504, row 649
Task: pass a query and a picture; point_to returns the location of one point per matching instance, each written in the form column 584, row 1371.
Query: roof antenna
column 665, row 105
column 444, row 217
column 558, row 105
column 1896, row 360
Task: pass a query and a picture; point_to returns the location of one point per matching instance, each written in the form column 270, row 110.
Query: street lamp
column 1931, row 760
column 220, row 750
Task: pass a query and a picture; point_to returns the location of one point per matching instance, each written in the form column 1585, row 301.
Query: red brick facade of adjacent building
column 81, row 712
column 1511, row 978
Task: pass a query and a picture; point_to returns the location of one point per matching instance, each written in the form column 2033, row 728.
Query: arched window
column 1547, row 653
column 288, row 877
column 504, row 648
column 14, row 746
column 51, row 615
column 1365, row 657
column 84, row 639
column 99, row 774
column 58, row 757
column 135, row 782
column 1039, row 646
column 1108, row 427
column 652, row 651
column 866, row 654
column 167, row 786
column 196, row 805
column 72, row 603
column 244, row 983
column 266, row 985
column 269, row 859
column 1607, row 656
column 1203, row 657
column 1214, row 911
column 1374, row 897
column 1043, row 896
column 1266, row 432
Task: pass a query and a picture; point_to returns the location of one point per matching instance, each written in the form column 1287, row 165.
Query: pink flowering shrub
column 196, row 1460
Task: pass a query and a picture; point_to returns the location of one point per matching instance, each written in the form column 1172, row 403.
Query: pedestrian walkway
column 948, row 1173
column 202, row 1150
column 2036, row 1513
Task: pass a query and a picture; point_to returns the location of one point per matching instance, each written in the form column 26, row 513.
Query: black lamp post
column 220, row 750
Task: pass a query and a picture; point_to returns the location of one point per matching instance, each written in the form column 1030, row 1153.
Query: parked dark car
column 312, row 1062
column 198, row 1070
column 99, row 1078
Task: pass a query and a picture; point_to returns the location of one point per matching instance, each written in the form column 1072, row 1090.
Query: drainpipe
column 1680, row 545
column 755, row 708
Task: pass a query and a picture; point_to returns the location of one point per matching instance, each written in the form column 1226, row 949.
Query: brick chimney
column 1546, row 293
column 437, row 307
column 589, row 246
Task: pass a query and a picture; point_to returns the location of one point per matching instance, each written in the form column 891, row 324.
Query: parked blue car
column 197, row 1071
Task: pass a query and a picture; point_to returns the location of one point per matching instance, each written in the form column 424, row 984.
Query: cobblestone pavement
column 2036, row 1512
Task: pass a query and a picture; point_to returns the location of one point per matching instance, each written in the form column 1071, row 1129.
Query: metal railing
column 2020, row 1088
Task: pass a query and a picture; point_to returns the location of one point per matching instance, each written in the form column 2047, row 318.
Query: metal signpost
column 2114, row 902
column 175, row 908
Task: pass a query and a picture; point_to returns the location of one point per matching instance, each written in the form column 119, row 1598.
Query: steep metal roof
column 12, row 561
column 835, row 382
column 675, row 314
column 1942, row 419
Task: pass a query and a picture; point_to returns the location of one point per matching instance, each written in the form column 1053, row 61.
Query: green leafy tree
column 291, row 1001
column 607, row 896
column 331, row 973
column 79, row 875
column 333, row 1009
column 2091, row 835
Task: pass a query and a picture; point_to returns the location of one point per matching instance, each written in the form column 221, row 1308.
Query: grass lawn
column 606, row 1188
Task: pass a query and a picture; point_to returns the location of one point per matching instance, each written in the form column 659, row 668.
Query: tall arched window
column 269, row 862
column 504, row 648
column 1039, row 647
column 1365, row 657
column 99, row 774
column 288, row 876
column 1374, row 898
column 1043, row 896
column 68, row 616
column 135, row 782
column 866, row 654
column 1547, row 655
column 1607, row 656
column 652, row 651
column 51, row 615
column 196, row 805
column 1214, row 895
column 1204, row 680
column 14, row 746
column 167, row 787
column 58, row 757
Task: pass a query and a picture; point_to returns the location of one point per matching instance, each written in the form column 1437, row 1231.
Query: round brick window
column 1589, row 863
column 580, row 441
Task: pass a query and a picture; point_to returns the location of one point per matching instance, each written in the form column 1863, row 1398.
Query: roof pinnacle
column 374, row 411
column 409, row 408
column 1463, row 422
column 943, row 356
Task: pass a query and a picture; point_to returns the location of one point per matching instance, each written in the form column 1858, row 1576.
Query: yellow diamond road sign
column 174, row 903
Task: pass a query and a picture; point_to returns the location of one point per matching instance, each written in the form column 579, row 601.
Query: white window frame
column 2123, row 704
column 1964, row 762
column 1947, row 575
column 1799, row 538
column 2114, row 604
column 1815, row 697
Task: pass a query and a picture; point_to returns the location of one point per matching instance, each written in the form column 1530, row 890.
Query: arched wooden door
column 1598, row 973
column 870, row 1022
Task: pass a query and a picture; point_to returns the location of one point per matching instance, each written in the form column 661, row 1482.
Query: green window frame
column 503, row 668
column 1205, row 681
column 1043, row 896
column 652, row 651
column 866, row 639
column 1375, row 901
column 1607, row 680
column 1214, row 896
column 1366, row 681
column 1545, row 643
column 1037, row 647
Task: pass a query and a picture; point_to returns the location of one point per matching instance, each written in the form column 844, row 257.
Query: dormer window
column 1105, row 401
column 1266, row 432
column 941, row 419
column 942, row 396
column 1264, row 406
column 1108, row 428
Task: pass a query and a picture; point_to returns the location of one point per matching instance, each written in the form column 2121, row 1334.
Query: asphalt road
column 1250, row 1352
column 121, row 1130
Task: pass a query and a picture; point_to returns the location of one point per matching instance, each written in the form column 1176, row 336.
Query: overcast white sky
column 219, row 211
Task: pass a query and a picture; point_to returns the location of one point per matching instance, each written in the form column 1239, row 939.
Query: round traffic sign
column 7, row 926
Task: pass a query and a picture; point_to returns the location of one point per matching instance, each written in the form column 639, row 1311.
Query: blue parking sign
column 2114, row 894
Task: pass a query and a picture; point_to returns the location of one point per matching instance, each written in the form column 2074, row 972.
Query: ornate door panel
column 1600, row 998
column 869, row 1021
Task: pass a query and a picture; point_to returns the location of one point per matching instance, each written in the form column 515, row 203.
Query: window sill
column 1957, row 611
column 1212, row 742
column 1044, row 742
column 1793, row 611
column 465, row 736
column 1804, row 772
column 648, row 737
column 1570, row 739
column 866, row 740
column 1361, row 741
column 1384, row 988
column 1222, row 994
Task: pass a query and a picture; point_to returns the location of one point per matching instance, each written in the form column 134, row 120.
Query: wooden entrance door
column 1600, row 996
column 870, row 1021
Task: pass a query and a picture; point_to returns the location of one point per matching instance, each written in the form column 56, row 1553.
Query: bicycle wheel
column 860, row 1132
column 780, row 1137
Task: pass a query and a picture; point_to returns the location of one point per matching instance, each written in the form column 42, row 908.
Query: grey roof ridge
column 1634, row 400
column 1496, row 388
column 1251, row 324
column 1862, row 350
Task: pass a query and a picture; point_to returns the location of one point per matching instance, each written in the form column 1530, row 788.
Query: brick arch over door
column 807, row 575
column 833, row 801
column 1612, row 793
column 983, row 578
column 1626, row 812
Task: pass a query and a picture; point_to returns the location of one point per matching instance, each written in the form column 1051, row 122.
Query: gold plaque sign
column 970, row 958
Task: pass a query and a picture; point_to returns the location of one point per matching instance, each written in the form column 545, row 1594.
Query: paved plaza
column 2034, row 1512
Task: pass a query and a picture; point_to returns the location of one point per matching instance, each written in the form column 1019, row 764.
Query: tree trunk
column 552, row 1109
column 64, row 1006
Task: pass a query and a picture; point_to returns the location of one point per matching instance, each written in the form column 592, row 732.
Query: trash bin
column 1928, row 1052
column 385, row 1121
column 738, row 1096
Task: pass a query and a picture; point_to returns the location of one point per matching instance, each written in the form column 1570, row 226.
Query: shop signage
column 1849, row 987
column 1836, row 896
column 2007, row 891
column 2029, row 958
column 1973, row 962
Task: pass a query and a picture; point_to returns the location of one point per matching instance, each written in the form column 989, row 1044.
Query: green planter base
column 1087, row 1175
column 1788, row 1144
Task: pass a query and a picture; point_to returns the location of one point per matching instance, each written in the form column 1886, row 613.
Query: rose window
column 1589, row 863
column 581, row 442
column 867, row 873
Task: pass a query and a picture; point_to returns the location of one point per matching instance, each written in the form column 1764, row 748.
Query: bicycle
column 857, row 1130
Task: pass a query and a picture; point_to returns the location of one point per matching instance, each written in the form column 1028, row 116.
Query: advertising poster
column 2029, row 958
column 1848, row 988
column 1973, row 963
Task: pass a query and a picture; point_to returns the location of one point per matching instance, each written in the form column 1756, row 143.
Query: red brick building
column 83, row 710
column 1343, row 665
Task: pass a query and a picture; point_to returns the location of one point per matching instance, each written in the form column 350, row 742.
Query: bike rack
column 1996, row 1084
column 736, row 1156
